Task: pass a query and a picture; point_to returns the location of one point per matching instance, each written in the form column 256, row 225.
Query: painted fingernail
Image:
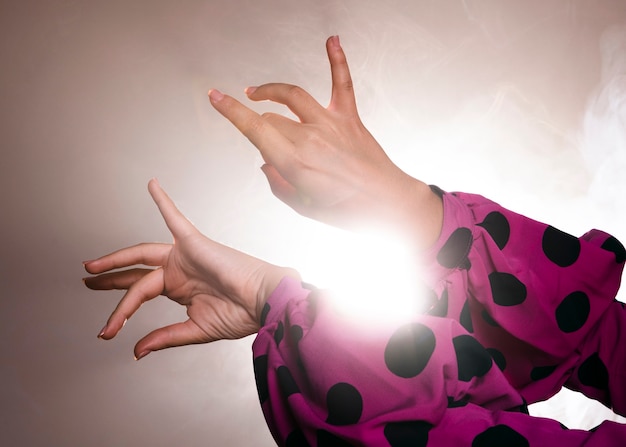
column 102, row 331
column 250, row 90
column 215, row 95
column 142, row 354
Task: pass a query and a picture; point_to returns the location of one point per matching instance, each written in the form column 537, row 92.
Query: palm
column 214, row 300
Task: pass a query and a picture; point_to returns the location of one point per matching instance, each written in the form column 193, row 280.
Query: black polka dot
column 466, row 318
column 280, row 331
column 409, row 349
column 465, row 264
column 344, row 403
column 440, row 309
column 498, row 228
column 561, row 248
column 593, row 373
column 520, row 408
column 296, row 439
column 612, row 244
column 472, row 359
column 541, row 372
column 498, row 358
column 407, row 433
column 260, row 376
column 295, row 333
column 456, row 403
column 573, row 312
column 489, row 319
column 264, row 312
column 500, row 435
column 286, row 382
column 437, row 190
column 506, row 289
column 306, row 285
column 327, row 439
column 454, row 252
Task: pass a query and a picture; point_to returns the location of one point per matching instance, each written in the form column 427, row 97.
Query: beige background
column 522, row 101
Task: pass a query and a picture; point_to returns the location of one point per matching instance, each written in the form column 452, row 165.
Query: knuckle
column 295, row 92
column 266, row 116
column 256, row 125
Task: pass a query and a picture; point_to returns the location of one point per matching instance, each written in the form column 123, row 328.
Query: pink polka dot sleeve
column 528, row 292
column 324, row 380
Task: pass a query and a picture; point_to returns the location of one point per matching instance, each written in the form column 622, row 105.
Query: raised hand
column 328, row 166
column 223, row 289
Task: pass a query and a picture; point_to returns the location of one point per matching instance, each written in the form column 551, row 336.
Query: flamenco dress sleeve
column 327, row 380
column 528, row 292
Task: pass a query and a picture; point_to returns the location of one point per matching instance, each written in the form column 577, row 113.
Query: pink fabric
column 461, row 375
column 539, row 333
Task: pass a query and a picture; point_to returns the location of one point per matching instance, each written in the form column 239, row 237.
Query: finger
column 303, row 105
column 289, row 128
column 148, row 287
column 274, row 147
column 177, row 334
column 116, row 280
column 342, row 99
column 146, row 253
column 174, row 219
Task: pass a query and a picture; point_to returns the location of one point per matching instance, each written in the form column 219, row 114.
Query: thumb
column 177, row 334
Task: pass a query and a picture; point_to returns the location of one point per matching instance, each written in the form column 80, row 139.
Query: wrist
column 421, row 213
column 405, row 207
column 270, row 281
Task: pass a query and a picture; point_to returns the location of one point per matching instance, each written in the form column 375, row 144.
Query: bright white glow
column 373, row 277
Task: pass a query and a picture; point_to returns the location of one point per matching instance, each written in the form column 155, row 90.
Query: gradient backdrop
column 521, row 100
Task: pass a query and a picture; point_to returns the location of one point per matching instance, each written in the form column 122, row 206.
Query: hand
column 328, row 166
column 223, row 289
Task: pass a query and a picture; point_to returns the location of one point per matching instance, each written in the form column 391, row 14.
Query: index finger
column 275, row 148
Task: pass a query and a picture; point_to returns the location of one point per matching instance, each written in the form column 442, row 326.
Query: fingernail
column 102, row 331
column 250, row 90
column 215, row 95
column 334, row 40
column 142, row 354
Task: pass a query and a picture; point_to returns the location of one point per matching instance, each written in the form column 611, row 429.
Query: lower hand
column 224, row 290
